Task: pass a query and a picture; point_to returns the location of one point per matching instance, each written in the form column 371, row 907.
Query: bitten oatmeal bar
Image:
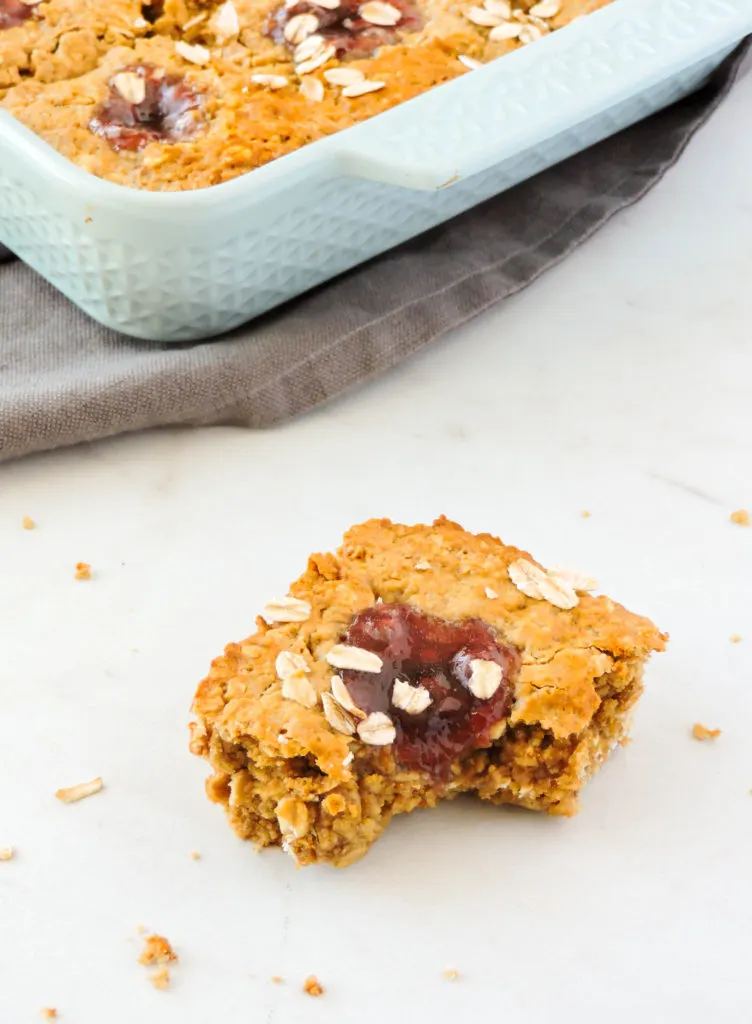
column 416, row 663
column 183, row 94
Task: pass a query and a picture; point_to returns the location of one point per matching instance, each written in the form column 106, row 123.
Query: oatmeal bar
column 415, row 664
column 183, row 94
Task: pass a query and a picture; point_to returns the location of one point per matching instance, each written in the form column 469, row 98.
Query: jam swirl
column 437, row 656
column 144, row 105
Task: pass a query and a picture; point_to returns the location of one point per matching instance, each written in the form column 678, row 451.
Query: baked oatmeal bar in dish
column 415, row 664
column 175, row 95
column 184, row 94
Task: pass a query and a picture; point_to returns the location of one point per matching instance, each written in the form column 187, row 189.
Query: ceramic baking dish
column 188, row 265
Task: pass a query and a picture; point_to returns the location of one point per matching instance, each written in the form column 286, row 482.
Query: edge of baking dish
column 176, row 266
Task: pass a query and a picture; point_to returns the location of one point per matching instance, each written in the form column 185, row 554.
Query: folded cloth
column 65, row 379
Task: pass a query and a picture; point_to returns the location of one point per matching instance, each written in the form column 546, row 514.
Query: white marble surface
column 619, row 384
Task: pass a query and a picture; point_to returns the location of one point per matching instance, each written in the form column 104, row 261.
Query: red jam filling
column 437, row 655
column 166, row 112
column 344, row 27
column 14, row 13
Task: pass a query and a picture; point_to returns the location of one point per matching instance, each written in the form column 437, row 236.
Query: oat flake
column 298, row 687
column 378, row 13
column 336, row 716
column 536, row 583
column 509, row 30
column 131, row 87
column 343, row 76
column 286, row 609
column 271, row 81
column 411, row 699
column 480, row 16
column 194, row 54
column 355, row 658
column 343, row 697
column 485, row 678
column 361, row 88
column 300, row 28
column 226, row 23
column 288, row 663
column 545, row 9
column 377, row 730
column 312, row 89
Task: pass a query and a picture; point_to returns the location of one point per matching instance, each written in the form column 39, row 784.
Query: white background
column 620, row 384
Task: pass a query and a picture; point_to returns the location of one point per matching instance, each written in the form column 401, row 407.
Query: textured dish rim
column 733, row 19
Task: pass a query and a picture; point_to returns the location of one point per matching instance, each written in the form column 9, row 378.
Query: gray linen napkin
column 65, row 379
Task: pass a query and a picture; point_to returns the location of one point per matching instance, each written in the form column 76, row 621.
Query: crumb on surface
column 585, row 514
column 735, row 638
column 157, row 950
column 701, row 732
column 70, row 794
column 277, row 979
column 7, row 853
column 195, row 855
column 741, row 517
column 28, row 523
column 312, row 986
column 49, row 1013
column 83, row 571
column 450, row 974
column 160, row 979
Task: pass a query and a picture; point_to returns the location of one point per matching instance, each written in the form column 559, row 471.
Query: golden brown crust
column 56, row 67
column 65, row 39
column 286, row 776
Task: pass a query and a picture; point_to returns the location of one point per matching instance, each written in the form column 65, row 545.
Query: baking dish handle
column 486, row 118
column 357, row 163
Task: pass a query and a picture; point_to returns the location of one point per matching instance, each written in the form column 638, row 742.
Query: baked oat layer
column 286, row 718
column 264, row 77
column 62, row 39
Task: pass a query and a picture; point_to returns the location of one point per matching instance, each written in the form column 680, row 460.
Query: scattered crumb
column 83, row 571
column 7, row 853
column 735, row 638
column 160, row 979
column 312, row 986
column 585, row 514
column 741, row 517
column 277, row 979
column 700, row 732
column 49, row 1013
column 195, row 855
column 157, row 950
column 142, row 929
column 450, row 974
column 28, row 523
column 83, row 789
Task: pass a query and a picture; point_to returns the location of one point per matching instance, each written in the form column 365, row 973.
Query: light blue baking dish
column 183, row 266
